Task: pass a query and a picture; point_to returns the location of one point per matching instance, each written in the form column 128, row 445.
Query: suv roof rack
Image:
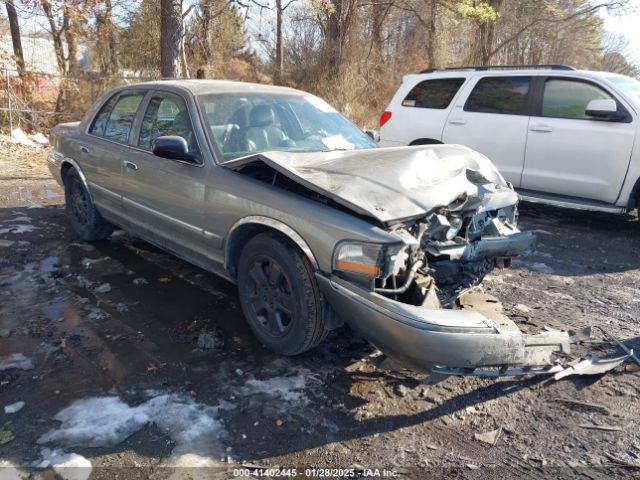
column 481, row 68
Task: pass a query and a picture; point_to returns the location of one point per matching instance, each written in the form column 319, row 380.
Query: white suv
column 561, row 136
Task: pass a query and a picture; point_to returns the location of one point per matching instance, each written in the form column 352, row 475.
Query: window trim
column 425, row 80
column 542, row 81
column 528, row 104
column 117, row 95
column 137, row 126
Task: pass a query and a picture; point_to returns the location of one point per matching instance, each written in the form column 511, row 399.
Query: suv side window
column 566, row 98
column 435, row 93
column 166, row 115
column 120, row 121
column 504, row 95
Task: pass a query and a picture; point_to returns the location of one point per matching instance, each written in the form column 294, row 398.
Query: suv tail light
column 384, row 118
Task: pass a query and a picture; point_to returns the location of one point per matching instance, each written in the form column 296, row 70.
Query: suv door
column 568, row 152
column 494, row 121
column 165, row 197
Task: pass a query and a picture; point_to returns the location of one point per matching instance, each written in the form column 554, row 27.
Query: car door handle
column 130, row 165
column 84, row 149
column 457, row 121
column 541, row 128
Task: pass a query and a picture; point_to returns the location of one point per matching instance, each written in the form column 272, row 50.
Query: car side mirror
column 172, row 147
column 604, row 109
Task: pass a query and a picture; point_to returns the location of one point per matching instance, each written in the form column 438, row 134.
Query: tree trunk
column 171, row 27
column 279, row 71
column 430, row 46
column 15, row 36
column 55, row 35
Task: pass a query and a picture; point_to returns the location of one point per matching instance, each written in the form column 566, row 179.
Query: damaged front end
column 454, row 219
column 414, row 300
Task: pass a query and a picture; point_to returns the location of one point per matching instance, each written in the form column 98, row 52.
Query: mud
column 190, row 386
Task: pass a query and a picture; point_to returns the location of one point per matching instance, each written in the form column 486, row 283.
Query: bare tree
column 15, row 36
column 171, row 34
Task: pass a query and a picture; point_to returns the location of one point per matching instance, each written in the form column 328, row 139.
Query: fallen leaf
column 152, row 367
column 6, row 436
column 279, row 423
column 164, row 279
column 489, row 437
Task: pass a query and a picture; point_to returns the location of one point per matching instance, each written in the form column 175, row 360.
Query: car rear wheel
column 279, row 295
column 85, row 220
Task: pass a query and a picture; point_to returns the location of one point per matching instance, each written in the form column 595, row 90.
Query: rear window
column 505, row 95
column 436, row 93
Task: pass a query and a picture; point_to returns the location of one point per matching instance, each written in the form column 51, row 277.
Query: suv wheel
column 279, row 296
column 85, row 220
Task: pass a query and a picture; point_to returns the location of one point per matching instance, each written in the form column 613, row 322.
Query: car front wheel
column 279, row 295
column 85, row 220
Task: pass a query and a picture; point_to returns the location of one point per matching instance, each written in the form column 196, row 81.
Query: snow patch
column 288, row 388
column 49, row 265
column 18, row 136
column 17, row 229
column 16, row 360
column 40, row 138
column 14, row 407
column 105, row 421
column 70, row 466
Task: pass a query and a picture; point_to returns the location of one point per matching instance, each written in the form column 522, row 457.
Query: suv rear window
column 436, row 93
column 505, row 95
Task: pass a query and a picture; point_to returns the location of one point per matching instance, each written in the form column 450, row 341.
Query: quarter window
column 569, row 98
column 505, row 95
column 436, row 93
column 100, row 121
column 166, row 116
column 121, row 118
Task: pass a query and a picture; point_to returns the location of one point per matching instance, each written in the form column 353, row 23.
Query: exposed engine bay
column 449, row 252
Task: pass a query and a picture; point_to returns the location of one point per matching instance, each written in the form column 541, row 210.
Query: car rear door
column 102, row 154
column 164, row 197
column 568, row 153
column 492, row 117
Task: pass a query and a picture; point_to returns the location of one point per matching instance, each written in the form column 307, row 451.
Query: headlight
column 364, row 259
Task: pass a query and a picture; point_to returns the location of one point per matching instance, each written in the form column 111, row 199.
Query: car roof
column 468, row 72
column 203, row 87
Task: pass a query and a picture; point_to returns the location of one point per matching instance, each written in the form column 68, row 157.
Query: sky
column 628, row 24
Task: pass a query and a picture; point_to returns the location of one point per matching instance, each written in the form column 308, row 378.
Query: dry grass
column 24, row 176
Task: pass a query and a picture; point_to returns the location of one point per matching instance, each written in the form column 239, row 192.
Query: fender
column 273, row 224
column 74, row 164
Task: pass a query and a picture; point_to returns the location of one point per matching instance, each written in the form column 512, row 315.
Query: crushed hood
column 391, row 184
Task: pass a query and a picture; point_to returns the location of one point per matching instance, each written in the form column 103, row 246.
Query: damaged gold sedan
column 274, row 190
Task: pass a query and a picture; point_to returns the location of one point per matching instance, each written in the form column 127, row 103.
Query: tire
column 85, row 220
column 279, row 295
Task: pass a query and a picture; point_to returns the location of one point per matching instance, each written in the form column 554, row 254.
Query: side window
column 564, row 98
column 121, row 118
column 436, row 93
column 166, row 116
column 100, row 120
column 505, row 95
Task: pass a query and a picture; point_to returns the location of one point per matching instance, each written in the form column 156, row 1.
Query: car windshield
column 628, row 85
column 245, row 124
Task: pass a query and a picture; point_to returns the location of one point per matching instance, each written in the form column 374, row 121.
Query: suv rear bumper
column 426, row 339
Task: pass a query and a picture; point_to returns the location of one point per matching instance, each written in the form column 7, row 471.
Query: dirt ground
column 127, row 357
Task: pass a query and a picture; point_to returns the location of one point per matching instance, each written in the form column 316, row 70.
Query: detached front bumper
column 455, row 342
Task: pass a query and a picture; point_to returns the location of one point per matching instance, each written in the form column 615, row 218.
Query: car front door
column 164, row 197
column 493, row 121
column 570, row 153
